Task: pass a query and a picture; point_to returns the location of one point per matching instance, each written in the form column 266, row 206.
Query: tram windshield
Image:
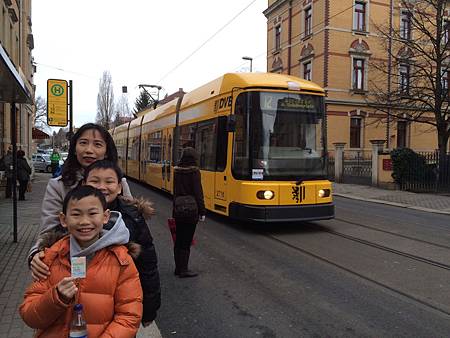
column 279, row 136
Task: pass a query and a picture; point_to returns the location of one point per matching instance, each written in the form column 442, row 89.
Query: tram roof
column 229, row 81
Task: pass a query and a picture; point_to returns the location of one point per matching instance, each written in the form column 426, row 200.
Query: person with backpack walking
column 188, row 208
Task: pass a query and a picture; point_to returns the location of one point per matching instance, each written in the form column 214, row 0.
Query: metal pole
column 176, row 136
column 14, row 167
column 71, row 108
column 388, row 127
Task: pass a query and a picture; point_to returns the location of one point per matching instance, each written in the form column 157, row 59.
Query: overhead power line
column 64, row 70
column 206, row 41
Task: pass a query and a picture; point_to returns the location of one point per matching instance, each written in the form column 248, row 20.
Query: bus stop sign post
column 57, row 103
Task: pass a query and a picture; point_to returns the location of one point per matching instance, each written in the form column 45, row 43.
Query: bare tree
column 40, row 116
column 105, row 101
column 412, row 84
column 122, row 110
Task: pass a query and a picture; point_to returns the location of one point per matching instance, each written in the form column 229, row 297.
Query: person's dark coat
column 7, row 163
column 23, row 169
column 187, row 181
column 134, row 212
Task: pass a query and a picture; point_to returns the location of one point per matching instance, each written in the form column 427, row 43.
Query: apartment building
column 333, row 43
column 16, row 74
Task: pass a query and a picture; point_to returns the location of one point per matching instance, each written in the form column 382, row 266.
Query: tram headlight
column 324, row 193
column 265, row 194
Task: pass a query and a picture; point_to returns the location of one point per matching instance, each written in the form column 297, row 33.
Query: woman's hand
column 201, row 218
column 67, row 289
column 39, row 270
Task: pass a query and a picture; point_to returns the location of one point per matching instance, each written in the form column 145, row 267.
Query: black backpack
column 185, row 208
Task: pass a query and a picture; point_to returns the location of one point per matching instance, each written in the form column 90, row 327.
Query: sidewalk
column 14, row 273
column 425, row 202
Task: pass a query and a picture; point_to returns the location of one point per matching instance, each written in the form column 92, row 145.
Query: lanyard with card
column 78, row 267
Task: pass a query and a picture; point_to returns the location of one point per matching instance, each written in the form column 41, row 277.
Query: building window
column 358, row 74
column 359, row 16
column 404, row 78
column 278, row 37
column 308, row 21
column 307, row 70
column 405, row 25
column 355, row 132
column 401, row 134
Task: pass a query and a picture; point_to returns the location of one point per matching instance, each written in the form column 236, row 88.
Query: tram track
column 393, row 233
column 354, row 272
column 388, row 249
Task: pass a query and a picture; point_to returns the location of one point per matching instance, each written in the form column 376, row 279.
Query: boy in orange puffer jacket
column 113, row 305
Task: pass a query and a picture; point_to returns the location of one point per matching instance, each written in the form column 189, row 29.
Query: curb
column 400, row 205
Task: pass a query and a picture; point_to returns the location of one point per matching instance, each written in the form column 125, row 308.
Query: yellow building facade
column 333, row 43
column 16, row 73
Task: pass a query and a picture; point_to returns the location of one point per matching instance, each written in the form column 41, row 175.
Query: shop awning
column 12, row 87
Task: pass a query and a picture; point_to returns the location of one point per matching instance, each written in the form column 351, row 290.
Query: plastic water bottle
column 78, row 328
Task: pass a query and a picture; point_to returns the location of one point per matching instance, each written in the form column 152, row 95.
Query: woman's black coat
column 147, row 262
column 187, row 181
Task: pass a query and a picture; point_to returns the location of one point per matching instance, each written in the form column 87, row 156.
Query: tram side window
column 133, row 148
column 154, row 147
column 206, row 144
column 222, row 144
column 241, row 152
column 187, row 137
column 119, row 147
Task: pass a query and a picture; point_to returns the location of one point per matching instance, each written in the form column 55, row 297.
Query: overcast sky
column 142, row 41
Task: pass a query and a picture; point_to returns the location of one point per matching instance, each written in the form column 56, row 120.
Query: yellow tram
column 261, row 138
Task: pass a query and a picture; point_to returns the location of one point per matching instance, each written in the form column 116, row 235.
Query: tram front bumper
column 288, row 213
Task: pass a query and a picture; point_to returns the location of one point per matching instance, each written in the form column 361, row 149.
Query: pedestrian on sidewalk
column 188, row 208
column 113, row 305
column 23, row 174
column 90, row 143
column 106, row 176
column 7, row 164
column 54, row 161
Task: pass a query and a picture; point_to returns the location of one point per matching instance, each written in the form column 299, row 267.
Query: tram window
column 154, row 147
column 222, row 143
column 133, row 149
column 187, row 137
column 206, row 144
column 241, row 152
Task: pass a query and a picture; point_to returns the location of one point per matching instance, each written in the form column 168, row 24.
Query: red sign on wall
column 387, row 164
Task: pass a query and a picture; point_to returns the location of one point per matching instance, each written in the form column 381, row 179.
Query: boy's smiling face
column 106, row 181
column 84, row 219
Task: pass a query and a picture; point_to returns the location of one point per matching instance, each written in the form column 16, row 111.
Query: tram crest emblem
column 298, row 193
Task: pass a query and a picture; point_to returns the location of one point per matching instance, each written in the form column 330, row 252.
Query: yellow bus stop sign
column 57, row 103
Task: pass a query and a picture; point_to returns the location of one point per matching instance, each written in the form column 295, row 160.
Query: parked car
column 41, row 162
column 64, row 156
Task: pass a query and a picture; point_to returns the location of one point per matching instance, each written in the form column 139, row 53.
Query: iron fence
column 357, row 167
column 428, row 172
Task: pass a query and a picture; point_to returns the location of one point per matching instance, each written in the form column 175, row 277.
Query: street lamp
column 248, row 58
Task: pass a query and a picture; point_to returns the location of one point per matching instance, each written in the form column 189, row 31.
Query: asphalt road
column 374, row 271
